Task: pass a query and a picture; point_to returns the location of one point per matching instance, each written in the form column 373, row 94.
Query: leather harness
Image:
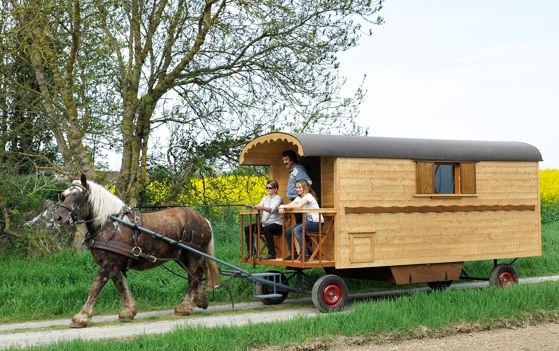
column 132, row 252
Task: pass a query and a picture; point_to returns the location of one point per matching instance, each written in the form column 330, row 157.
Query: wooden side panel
column 468, row 178
column 340, row 233
column 361, row 247
column 327, row 182
column 506, row 226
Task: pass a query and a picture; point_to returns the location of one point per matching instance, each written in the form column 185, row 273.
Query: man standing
column 296, row 172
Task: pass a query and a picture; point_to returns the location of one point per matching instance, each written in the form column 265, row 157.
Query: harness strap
column 70, row 209
column 112, row 246
column 134, row 253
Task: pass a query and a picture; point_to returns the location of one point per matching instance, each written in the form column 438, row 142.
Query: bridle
column 74, row 210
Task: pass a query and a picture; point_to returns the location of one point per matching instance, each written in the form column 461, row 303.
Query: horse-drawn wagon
column 403, row 210
column 406, row 210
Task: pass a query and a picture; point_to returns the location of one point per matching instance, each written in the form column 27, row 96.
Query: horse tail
column 210, row 266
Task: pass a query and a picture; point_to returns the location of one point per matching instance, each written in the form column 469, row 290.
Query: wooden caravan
column 415, row 207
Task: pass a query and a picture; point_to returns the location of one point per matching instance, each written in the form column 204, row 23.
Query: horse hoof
column 202, row 305
column 183, row 311
column 126, row 316
column 201, row 302
column 79, row 321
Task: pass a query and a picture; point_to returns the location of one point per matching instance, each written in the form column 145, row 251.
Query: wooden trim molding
column 445, row 196
column 246, row 158
column 427, row 209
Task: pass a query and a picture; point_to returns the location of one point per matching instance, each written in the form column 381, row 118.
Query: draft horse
column 117, row 248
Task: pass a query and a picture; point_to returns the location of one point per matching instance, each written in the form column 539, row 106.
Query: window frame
column 464, row 179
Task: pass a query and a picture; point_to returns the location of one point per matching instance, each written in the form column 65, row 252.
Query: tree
column 222, row 70
column 263, row 65
column 24, row 134
column 69, row 75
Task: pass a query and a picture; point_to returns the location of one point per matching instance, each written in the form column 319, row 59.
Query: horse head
column 73, row 205
column 87, row 201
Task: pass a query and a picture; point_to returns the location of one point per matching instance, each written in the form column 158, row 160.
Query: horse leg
column 129, row 311
column 193, row 296
column 200, row 298
column 81, row 319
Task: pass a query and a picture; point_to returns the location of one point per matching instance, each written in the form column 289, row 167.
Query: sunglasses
column 269, row 187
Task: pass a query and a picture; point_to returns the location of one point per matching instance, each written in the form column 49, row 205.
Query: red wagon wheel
column 503, row 275
column 329, row 293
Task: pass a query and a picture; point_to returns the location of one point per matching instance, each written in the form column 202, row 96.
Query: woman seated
column 270, row 221
column 306, row 198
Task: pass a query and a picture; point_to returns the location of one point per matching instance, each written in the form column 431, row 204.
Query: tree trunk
column 135, row 152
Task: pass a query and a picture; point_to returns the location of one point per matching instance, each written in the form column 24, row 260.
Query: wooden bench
column 319, row 243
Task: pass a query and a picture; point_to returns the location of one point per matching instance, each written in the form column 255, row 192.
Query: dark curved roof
column 402, row 148
column 417, row 149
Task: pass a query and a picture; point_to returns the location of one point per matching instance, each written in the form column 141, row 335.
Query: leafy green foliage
column 21, row 199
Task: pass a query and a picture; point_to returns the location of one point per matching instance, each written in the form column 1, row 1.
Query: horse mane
column 103, row 203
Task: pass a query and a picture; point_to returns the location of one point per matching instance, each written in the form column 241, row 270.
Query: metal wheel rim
column 506, row 278
column 333, row 295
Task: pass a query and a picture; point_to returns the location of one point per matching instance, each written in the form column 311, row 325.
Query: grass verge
column 421, row 314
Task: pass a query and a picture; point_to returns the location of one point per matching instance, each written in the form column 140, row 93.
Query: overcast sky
column 475, row 70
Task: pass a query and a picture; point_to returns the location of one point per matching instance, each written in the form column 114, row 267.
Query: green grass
column 56, row 286
column 399, row 317
column 550, row 210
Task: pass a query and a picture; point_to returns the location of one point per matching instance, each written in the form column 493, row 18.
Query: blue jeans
column 309, row 226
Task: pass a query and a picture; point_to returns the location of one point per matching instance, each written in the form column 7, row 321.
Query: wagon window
column 446, row 178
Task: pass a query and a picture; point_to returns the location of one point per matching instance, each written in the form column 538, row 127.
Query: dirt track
column 532, row 338
column 541, row 337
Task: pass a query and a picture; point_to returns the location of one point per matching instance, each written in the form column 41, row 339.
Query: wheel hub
column 506, row 278
column 332, row 295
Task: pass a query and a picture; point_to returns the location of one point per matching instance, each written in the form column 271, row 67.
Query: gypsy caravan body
column 411, row 210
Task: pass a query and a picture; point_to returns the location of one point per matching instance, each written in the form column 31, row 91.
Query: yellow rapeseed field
column 227, row 190
column 236, row 190
column 549, row 184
